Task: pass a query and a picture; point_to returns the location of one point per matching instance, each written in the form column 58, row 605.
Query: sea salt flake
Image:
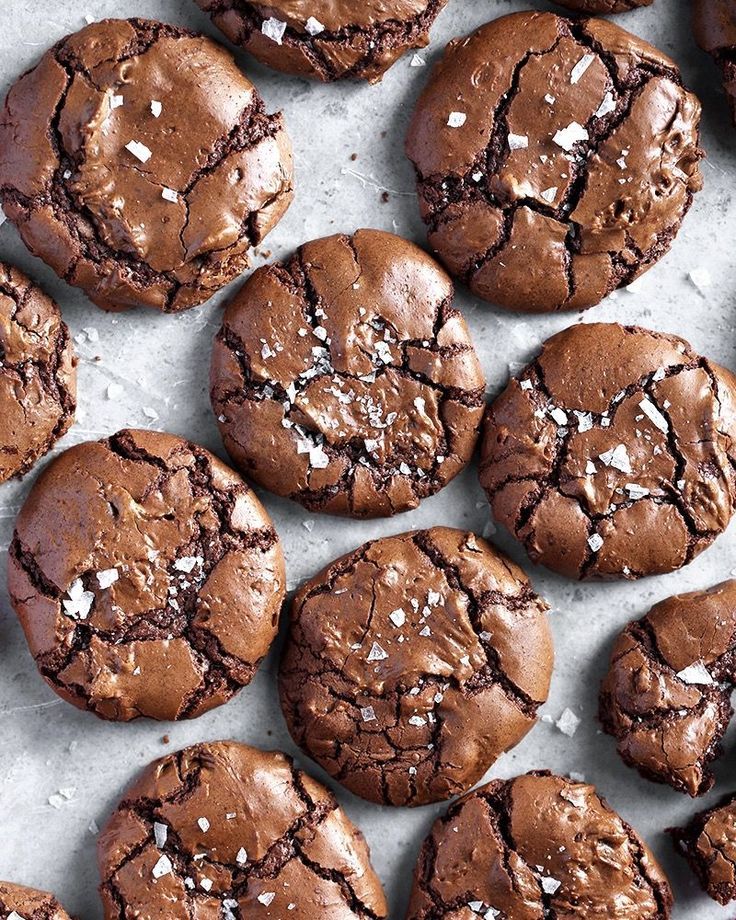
column 368, row 714
column 116, row 101
column 318, row 459
column 107, row 577
column 162, row 867
column 156, row 108
column 139, row 151
column 585, row 421
column 314, row 26
column 417, row 721
column 267, row 897
column 204, row 824
column 590, row 468
column 654, row 415
column 579, row 69
column 417, row 61
column 426, row 631
column 14, row 915
column 549, row 98
column 617, row 457
column 696, row 673
column 78, row 602
column 397, row 617
column 206, row 884
column 160, row 833
column 169, row 194
column 274, row 29
column 518, row 141
column 188, row 563
column 456, row 119
column 595, row 541
column 549, row 194
column 568, row 725
column 636, row 491
column 571, row 135
column 419, row 404
column 242, row 857
column 526, row 385
column 607, row 106
column 559, row 415
column 377, row 653
column 550, row 885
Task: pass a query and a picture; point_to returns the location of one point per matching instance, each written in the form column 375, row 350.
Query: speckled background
column 161, row 363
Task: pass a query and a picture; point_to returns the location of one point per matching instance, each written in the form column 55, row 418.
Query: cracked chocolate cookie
column 709, row 845
column 141, row 165
column 599, row 7
column 413, row 663
column 613, row 453
column 221, row 830
column 714, row 27
column 147, row 577
column 534, row 847
column 346, row 380
column 666, row 697
column 38, row 374
column 20, row 903
column 326, row 39
column 555, row 159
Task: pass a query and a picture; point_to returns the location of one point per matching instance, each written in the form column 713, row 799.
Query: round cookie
column 534, row 847
column 666, row 696
column 38, row 374
column 708, row 843
column 714, row 27
column 20, row 903
column 346, row 380
column 613, row 453
column 140, row 164
column 326, row 39
column 413, row 663
column 222, row 830
column 599, row 7
column 555, row 159
column 147, row 577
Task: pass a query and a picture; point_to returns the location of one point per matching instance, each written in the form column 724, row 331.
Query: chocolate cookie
column 326, row 39
column 598, row 7
column 709, row 845
column 346, row 380
column 413, row 663
column 534, row 847
column 147, row 577
column 38, row 374
column 221, row 830
column 666, row 697
column 613, row 453
column 714, row 27
column 555, row 159
column 20, row 903
column 139, row 162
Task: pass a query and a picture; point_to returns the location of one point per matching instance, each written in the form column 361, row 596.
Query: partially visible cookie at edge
column 556, row 159
column 533, row 847
column 139, row 162
column 223, row 831
column 666, row 696
column 147, row 577
column 714, row 27
column 708, row 842
column 601, row 7
column 20, row 903
column 38, row 373
column 346, row 380
column 613, row 454
column 326, row 39
column 413, row 663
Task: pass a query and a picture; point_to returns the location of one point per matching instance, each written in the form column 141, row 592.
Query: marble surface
column 161, row 363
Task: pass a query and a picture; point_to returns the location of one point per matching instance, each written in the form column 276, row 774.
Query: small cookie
column 38, row 374
column 666, row 697
column 413, row 663
column 141, row 165
column 599, row 7
column 613, row 453
column 222, row 830
column 709, row 845
column 324, row 39
column 714, row 27
column 20, row 903
column 534, row 847
column 555, row 159
column 147, row 577
column 346, row 380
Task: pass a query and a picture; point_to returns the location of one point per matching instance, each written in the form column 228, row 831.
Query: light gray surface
column 162, row 363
